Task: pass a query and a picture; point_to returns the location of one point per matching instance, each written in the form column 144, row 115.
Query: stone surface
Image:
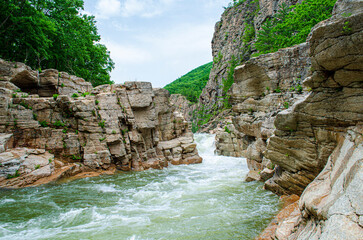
column 230, row 41
column 308, row 134
column 324, row 150
column 263, row 88
column 130, row 126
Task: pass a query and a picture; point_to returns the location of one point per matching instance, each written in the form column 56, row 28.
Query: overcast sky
column 156, row 40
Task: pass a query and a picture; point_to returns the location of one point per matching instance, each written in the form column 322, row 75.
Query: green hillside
column 191, row 84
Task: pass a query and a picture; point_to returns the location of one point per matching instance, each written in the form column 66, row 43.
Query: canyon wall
column 298, row 119
column 232, row 44
column 52, row 121
column 327, row 134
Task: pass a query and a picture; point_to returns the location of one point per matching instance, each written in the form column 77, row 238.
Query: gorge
column 295, row 115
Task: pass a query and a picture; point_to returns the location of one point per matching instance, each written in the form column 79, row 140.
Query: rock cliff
column 56, row 125
column 297, row 118
column 327, row 135
column 232, row 44
column 298, row 121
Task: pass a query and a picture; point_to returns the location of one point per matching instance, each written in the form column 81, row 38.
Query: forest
column 191, row 84
column 54, row 34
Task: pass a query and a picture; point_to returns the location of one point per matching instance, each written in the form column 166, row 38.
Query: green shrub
column 17, row 174
column 97, row 102
column 299, row 88
column 76, row 157
column 85, row 94
column 75, row 95
column 102, row 124
column 37, row 166
column 43, row 123
column 277, row 90
column 58, row 124
column 55, row 96
column 227, row 130
column 286, row 105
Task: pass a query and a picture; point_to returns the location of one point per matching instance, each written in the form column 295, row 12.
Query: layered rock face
column 130, row 126
column 306, row 136
column 262, row 88
column 326, row 137
column 232, row 43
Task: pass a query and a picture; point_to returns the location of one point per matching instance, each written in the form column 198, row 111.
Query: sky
column 156, row 41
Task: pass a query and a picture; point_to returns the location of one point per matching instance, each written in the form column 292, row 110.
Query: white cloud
column 108, row 8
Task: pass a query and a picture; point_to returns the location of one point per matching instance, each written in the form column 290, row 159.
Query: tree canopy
column 191, row 84
column 54, row 34
column 291, row 25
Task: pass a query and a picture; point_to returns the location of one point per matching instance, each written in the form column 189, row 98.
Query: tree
column 292, row 25
column 54, row 34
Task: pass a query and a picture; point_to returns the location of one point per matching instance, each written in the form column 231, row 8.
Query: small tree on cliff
column 54, row 34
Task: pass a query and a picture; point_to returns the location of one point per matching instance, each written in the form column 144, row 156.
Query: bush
column 55, row 96
column 59, row 124
column 102, row 124
column 43, row 123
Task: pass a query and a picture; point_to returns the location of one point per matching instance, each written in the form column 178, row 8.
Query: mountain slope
column 191, row 84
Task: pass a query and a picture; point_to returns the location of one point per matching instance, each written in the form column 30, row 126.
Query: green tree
column 291, row 25
column 54, row 34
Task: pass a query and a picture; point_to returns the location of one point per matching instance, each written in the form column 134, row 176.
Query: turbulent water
column 203, row 201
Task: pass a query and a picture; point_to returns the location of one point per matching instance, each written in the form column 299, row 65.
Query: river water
column 202, row 201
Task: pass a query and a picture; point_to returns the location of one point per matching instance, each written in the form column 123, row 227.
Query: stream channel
column 202, row 201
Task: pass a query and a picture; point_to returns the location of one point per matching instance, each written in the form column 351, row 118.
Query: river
column 202, row 201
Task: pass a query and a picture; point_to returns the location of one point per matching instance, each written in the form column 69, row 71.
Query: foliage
column 227, row 130
column 286, row 105
column 291, row 25
column 58, row 124
column 17, row 174
column 191, row 84
column 54, row 34
column 227, row 83
column 102, row 124
column 55, row 96
column 43, row 123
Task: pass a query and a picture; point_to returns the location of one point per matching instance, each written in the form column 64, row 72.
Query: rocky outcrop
column 307, row 135
column 331, row 206
column 182, row 105
column 263, row 87
column 325, row 146
column 130, row 126
column 232, row 44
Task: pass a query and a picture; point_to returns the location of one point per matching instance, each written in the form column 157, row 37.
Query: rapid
column 202, row 201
